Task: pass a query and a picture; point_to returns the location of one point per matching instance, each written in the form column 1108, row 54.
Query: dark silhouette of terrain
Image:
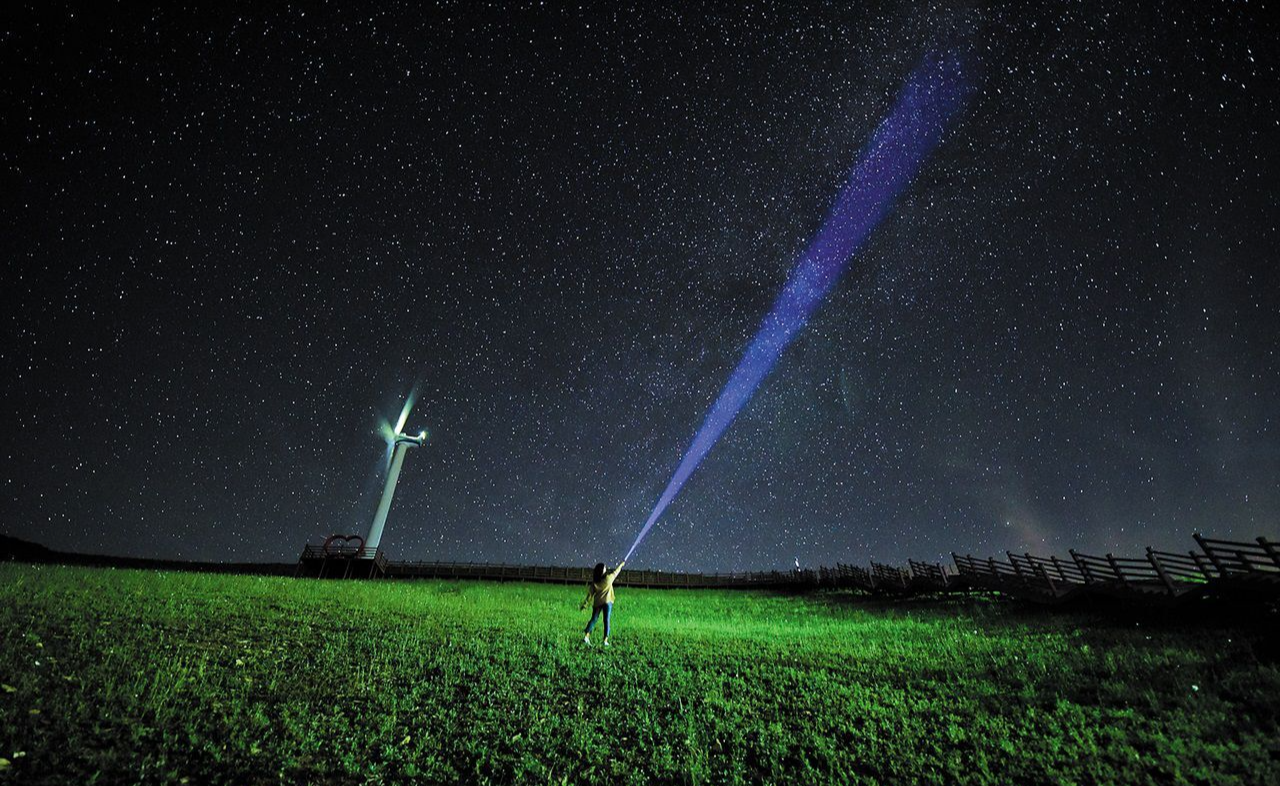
column 18, row 550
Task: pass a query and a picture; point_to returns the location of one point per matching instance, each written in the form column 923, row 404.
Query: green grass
column 158, row 677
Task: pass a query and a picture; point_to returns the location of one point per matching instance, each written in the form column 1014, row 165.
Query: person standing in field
column 600, row 596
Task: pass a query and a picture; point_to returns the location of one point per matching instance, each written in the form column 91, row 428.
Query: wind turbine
column 398, row 443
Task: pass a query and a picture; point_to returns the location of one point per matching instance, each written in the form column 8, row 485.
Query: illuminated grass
column 155, row 677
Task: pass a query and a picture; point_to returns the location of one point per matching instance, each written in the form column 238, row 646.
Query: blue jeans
column 607, row 609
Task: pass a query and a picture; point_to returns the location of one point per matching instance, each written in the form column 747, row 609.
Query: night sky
column 236, row 236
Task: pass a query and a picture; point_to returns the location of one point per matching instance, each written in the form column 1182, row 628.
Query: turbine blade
column 404, row 413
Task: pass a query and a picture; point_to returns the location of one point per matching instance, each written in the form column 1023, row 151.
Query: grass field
column 126, row 676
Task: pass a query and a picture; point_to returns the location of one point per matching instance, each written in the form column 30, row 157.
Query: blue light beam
column 931, row 96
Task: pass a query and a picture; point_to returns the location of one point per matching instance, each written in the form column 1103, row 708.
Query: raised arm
column 614, row 573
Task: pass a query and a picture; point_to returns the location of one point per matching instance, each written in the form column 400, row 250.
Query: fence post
column 1115, row 568
column 1155, row 562
column 1048, row 580
column 1270, row 548
column 1082, row 565
column 1038, row 570
column 1198, row 559
column 1061, row 574
column 1209, row 553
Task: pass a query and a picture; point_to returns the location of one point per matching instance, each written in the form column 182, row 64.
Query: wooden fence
column 1219, row 569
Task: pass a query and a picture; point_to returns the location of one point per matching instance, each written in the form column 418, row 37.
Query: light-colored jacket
column 602, row 593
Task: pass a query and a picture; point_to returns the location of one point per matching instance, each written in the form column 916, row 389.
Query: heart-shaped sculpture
column 343, row 545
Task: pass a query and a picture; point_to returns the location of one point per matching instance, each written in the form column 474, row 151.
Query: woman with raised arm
column 600, row 596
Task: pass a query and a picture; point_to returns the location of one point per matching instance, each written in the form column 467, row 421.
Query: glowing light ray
column 930, row 97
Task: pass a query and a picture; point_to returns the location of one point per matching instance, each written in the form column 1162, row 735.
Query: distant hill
column 18, row 550
column 23, row 550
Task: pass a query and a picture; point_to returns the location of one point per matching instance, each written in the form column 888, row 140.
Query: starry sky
column 237, row 234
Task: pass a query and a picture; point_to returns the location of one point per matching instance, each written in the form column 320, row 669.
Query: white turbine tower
column 398, row 443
